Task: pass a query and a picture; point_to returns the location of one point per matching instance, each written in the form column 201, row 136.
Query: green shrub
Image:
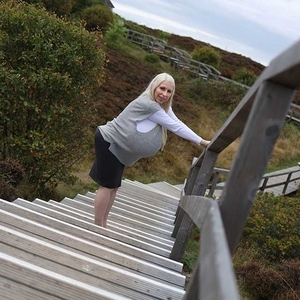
column 207, row 55
column 97, row 17
column 61, row 8
column 152, row 58
column 273, row 227
column 215, row 94
column 80, row 5
column 49, row 70
column 244, row 76
column 115, row 35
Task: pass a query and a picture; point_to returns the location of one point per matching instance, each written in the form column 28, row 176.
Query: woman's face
column 163, row 92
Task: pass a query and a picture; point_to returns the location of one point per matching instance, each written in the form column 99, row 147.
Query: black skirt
column 107, row 170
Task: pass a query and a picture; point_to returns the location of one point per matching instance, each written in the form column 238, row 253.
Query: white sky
column 259, row 29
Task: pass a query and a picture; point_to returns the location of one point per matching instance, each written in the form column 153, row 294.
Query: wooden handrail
column 216, row 185
column 257, row 119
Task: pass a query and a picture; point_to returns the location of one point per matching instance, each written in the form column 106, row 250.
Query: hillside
column 128, row 74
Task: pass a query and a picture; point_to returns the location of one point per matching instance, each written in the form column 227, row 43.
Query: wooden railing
column 294, row 113
column 177, row 57
column 275, row 182
column 257, row 119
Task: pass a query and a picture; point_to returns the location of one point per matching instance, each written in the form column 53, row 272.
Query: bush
column 152, row 58
column 11, row 174
column 49, row 71
column 262, row 281
column 215, row 94
column 273, row 227
column 97, row 17
column 61, row 8
column 115, row 35
column 207, row 55
column 244, row 76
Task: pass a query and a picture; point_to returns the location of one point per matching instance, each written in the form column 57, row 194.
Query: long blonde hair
column 150, row 90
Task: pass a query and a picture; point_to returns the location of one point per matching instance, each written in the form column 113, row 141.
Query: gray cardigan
column 126, row 143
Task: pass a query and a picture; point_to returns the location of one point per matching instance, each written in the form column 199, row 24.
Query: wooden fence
column 294, row 113
column 282, row 182
column 258, row 120
column 178, row 58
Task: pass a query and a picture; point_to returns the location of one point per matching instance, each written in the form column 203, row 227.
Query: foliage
column 191, row 254
column 61, row 8
column 273, row 227
column 49, row 70
column 97, row 17
column 244, row 76
column 162, row 35
column 80, row 5
column 265, row 281
column 225, row 95
column 152, row 58
column 115, row 35
column 207, row 55
column 11, row 174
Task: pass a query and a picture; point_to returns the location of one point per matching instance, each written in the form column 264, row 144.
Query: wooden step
column 131, row 212
column 112, row 224
column 88, row 235
column 152, row 228
column 37, row 279
column 167, row 188
column 128, row 232
column 79, row 267
column 129, row 205
column 91, row 249
column 103, row 232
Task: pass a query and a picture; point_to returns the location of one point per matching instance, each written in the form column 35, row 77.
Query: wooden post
column 260, row 134
column 186, row 225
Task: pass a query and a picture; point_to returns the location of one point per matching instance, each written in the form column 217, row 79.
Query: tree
column 207, row 55
column 97, row 17
column 49, row 70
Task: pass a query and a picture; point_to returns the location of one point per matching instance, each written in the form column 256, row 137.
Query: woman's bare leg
column 103, row 202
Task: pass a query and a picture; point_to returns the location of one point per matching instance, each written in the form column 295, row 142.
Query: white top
column 170, row 122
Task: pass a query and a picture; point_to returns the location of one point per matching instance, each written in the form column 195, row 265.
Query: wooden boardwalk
column 283, row 182
column 52, row 250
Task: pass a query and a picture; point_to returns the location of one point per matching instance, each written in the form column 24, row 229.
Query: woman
column 139, row 131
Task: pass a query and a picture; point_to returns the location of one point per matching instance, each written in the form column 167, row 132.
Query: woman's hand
column 204, row 143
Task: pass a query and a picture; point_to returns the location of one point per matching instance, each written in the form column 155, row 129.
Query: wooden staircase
column 52, row 250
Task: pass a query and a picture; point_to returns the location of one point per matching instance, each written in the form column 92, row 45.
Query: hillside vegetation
column 88, row 85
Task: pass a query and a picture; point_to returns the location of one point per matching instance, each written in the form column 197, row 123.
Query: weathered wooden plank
column 83, row 268
column 257, row 142
column 167, row 188
column 12, row 290
column 120, row 219
column 89, row 235
column 95, row 250
column 134, row 202
column 50, row 282
column 92, row 227
column 196, row 207
column 128, row 232
column 128, row 210
column 112, row 224
column 217, row 279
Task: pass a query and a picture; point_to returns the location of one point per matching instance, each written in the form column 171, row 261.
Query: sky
column 258, row 29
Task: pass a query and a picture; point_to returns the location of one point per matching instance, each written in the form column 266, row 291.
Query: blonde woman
column 140, row 130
